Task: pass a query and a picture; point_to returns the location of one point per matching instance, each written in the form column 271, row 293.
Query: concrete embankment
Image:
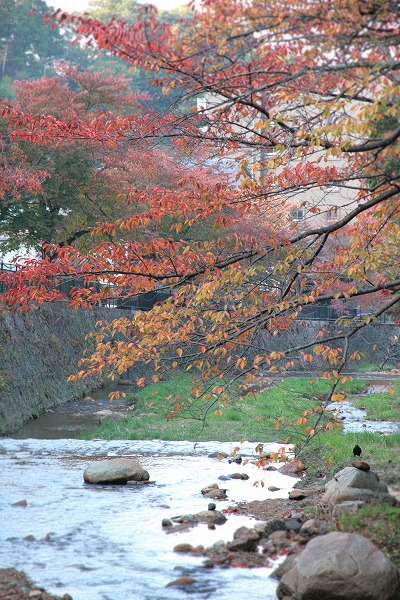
column 38, row 350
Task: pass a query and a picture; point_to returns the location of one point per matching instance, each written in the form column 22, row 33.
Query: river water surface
column 106, row 542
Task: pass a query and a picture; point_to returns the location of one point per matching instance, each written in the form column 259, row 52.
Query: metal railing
column 145, row 301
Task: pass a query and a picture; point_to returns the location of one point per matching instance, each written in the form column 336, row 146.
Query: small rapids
column 106, row 542
column 354, row 419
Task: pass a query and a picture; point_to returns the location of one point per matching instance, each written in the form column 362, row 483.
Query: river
column 106, row 542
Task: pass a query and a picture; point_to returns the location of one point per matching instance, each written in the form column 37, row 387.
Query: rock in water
column 115, row 471
column 214, row 491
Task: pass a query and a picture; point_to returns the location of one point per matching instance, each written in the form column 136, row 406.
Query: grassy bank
column 383, row 406
column 252, row 417
column 325, row 456
column 382, row 452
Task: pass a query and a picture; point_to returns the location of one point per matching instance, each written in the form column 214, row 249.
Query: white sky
column 81, row 5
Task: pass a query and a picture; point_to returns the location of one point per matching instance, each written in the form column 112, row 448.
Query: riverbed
column 106, row 542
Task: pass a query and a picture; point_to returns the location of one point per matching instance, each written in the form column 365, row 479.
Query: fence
column 142, row 301
column 326, row 312
column 146, row 300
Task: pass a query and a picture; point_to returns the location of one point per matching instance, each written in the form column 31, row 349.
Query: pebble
column 22, row 503
column 181, row 581
column 360, row 464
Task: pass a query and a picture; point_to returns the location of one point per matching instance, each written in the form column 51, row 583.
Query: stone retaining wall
column 38, row 350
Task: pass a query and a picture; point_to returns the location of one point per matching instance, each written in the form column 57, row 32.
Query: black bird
column 357, row 450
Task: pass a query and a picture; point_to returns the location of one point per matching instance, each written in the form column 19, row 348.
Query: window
column 332, row 185
column 298, row 214
column 332, row 213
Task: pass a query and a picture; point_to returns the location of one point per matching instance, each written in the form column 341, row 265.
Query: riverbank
column 15, row 585
column 38, row 351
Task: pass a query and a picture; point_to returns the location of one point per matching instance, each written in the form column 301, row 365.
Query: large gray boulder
column 340, row 566
column 115, row 470
column 354, row 484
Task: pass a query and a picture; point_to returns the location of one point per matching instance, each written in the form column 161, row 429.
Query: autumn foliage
column 289, row 99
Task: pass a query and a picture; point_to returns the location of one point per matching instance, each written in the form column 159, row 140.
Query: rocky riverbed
column 15, row 585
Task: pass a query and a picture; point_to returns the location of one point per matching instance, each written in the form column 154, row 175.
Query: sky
column 81, row 5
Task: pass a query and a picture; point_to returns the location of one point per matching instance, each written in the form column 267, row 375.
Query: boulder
column 291, row 468
column 22, row 503
column 213, row 491
column 115, row 471
column 293, row 524
column 346, row 507
column 309, row 528
column 340, row 566
column 211, row 516
column 360, row 464
column 183, row 548
column 104, row 415
column 352, row 483
column 184, row 519
column 274, row 525
column 244, row 539
column 166, row 523
column 246, row 532
column 181, row 582
column 298, row 494
column 243, row 476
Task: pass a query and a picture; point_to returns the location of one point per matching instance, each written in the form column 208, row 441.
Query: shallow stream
column 106, row 542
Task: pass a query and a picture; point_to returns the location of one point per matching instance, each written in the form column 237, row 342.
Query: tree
column 70, row 186
column 27, row 46
column 285, row 90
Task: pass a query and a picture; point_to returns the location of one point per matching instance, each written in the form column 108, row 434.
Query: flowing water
column 106, row 542
column 354, row 419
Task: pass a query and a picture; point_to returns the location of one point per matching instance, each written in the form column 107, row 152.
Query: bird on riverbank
column 357, row 450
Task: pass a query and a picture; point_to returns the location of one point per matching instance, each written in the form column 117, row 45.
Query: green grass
column 332, row 450
column 252, row 417
column 383, row 406
column 374, row 367
column 380, row 523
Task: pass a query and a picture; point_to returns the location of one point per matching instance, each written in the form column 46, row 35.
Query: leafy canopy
column 296, row 98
